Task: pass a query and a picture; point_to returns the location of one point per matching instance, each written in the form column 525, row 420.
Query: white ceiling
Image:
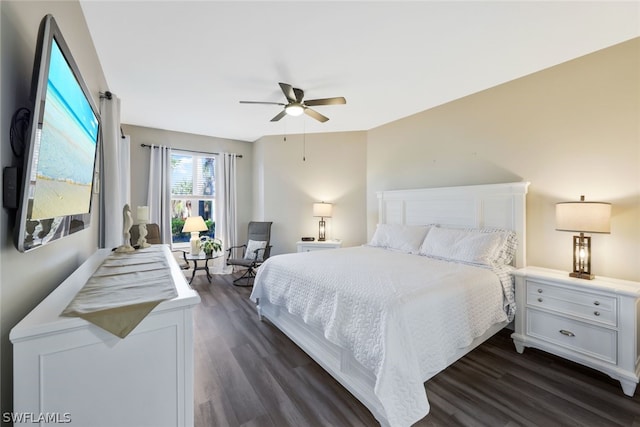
column 185, row 66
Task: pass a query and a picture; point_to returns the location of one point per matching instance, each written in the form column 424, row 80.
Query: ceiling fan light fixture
column 294, row 109
column 295, row 106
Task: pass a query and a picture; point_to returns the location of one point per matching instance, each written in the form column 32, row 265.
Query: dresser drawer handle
column 539, row 299
column 596, row 303
column 597, row 313
column 539, row 291
column 567, row 333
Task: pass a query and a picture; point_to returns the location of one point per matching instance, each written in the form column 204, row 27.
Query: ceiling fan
column 295, row 105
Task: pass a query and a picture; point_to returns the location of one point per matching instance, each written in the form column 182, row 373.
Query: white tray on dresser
column 592, row 322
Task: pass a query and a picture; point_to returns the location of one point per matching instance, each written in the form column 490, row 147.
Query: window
column 192, row 192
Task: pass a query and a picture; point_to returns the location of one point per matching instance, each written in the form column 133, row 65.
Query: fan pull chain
column 304, row 140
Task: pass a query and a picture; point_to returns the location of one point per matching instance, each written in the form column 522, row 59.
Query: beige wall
column 286, row 186
column 186, row 141
column 572, row 129
column 27, row 278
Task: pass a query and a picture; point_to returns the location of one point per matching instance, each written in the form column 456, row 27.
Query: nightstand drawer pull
column 597, row 313
column 539, row 299
column 539, row 290
column 567, row 333
column 596, row 303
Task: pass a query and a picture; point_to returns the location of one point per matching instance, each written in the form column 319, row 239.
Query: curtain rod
column 188, row 151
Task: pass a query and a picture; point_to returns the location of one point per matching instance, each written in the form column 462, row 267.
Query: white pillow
column 486, row 247
column 252, row 245
column 403, row 238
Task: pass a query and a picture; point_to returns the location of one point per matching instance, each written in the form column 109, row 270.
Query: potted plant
column 210, row 245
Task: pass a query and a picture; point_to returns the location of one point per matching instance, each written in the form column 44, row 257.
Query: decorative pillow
column 476, row 246
column 252, row 245
column 509, row 245
column 403, row 238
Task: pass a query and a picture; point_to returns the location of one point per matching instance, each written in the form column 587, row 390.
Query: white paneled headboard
column 491, row 205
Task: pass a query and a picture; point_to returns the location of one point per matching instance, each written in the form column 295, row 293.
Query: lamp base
column 195, row 243
column 582, row 257
column 125, row 249
column 142, row 239
column 321, row 230
column 579, row 275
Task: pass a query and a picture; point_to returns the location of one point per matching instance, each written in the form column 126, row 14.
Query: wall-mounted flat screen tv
column 59, row 163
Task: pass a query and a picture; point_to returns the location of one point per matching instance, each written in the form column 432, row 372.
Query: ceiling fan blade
column 280, row 115
column 326, row 101
column 312, row 113
column 261, row 102
column 299, row 94
column 287, row 89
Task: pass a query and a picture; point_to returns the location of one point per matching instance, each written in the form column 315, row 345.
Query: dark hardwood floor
column 247, row 373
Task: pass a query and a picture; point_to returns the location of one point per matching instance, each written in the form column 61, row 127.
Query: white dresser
column 68, row 369
column 318, row 246
column 592, row 322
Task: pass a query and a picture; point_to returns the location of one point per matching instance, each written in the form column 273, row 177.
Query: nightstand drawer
column 593, row 307
column 310, row 248
column 591, row 340
column 557, row 313
column 318, row 246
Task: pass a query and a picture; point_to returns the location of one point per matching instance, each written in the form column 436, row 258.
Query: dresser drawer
column 590, row 306
column 591, row 340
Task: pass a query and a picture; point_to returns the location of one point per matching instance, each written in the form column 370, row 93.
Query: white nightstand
column 592, row 322
column 318, row 246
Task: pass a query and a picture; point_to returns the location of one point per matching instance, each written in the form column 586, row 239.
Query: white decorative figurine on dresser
column 127, row 223
column 592, row 322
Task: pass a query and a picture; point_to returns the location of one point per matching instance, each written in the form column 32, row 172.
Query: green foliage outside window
column 178, row 236
column 192, row 192
column 182, row 187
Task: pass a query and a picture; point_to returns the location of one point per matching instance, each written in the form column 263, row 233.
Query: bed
column 432, row 284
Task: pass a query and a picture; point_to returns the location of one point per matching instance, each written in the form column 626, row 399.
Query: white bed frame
column 492, row 206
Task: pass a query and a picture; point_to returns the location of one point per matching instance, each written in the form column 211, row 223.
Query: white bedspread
column 402, row 316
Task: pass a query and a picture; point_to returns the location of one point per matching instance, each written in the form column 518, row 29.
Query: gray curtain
column 159, row 195
column 115, row 174
column 226, row 222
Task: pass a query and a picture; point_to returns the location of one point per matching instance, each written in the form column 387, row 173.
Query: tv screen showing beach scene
column 65, row 146
column 57, row 179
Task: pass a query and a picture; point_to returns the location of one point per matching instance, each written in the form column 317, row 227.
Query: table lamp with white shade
column 194, row 225
column 583, row 217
